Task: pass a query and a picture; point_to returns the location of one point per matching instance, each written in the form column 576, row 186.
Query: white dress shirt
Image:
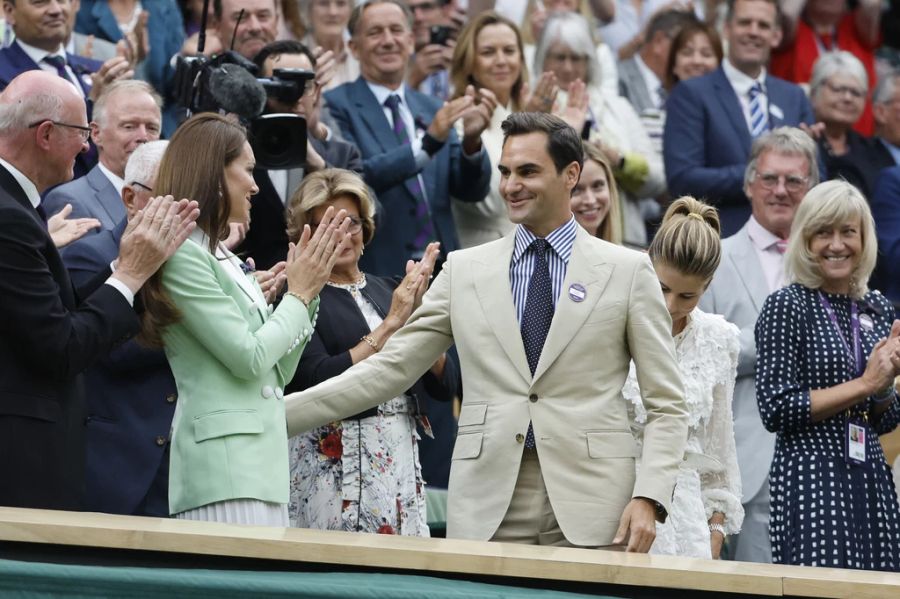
column 770, row 259
column 741, row 85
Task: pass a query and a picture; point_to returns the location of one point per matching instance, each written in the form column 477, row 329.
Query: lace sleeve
column 721, row 491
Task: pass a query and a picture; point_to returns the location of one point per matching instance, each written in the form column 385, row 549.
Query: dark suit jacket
column 267, row 241
column 131, row 401
column 861, row 165
column 388, row 164
column 886, row 212
column 706, row 141
column 339, row 327
column 48, row 336
column 14, row 62
column 91, row 196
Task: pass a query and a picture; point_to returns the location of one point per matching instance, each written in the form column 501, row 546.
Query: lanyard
column 856, row 354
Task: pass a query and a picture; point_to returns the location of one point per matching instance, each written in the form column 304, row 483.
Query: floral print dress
column 360, row 475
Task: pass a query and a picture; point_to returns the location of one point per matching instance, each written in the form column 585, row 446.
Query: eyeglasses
column 354, row 228
column 840, row 90
column 84, row 132
column 792, row 183
column 141, row 185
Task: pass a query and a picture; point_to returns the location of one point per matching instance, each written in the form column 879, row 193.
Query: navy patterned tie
column 538, row 313
column 424, row 227
column 59, row 63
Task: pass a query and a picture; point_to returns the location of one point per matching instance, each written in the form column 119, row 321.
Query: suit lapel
column 637, row 86
column 106, row 195
column 494, row 293
column 732, row 106
column 588, row 269
column 746, row 265
column 106, row 21
column 373, row 114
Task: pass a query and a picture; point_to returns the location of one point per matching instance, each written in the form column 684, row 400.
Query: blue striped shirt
column 522, row 265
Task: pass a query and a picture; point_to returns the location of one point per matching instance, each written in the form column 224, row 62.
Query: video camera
column 228, row 83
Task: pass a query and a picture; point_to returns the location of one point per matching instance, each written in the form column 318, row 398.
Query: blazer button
column 279, row 394
column 520, row 438
column 268, row 392
column 170, row 398
column 160, row 440
column 532, row 398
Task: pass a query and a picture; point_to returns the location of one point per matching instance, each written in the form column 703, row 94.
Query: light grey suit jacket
column 633, row 87
column 574, row 400
column 737, row 292
column 91, row 196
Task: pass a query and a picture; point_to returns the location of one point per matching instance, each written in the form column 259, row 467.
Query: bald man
column 49, row 331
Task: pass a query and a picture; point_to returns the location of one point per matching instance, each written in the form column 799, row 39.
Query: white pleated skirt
column 252, row 512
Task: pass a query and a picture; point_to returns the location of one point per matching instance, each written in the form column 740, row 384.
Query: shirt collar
column 24, row 182
column 742, row 82
column 650, row 78
column 560, row 239
column 37, row 54
column 761, row 237
column 116, row 180
column 381, row 92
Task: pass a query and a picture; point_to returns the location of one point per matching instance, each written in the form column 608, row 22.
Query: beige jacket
column 574, row 399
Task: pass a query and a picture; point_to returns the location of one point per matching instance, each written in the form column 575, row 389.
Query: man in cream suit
column 781, row 170
column 546, row 321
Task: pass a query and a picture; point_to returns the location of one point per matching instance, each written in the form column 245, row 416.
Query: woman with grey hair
column 828, row 351
column 566, row 48
column 838, row 91
column 327, row 22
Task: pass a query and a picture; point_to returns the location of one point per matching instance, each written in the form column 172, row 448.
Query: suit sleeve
column 405, row 357
column 685, row 152
column 649, row 332
column 216, row 321
column 57, row 199
column 885, row 200
column 63, row 342
column 470, row 176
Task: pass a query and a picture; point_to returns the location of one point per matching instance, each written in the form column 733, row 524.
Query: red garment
column 795, row 62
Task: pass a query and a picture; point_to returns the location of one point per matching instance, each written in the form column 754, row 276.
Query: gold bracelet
column 302, row 299
column 371, row 342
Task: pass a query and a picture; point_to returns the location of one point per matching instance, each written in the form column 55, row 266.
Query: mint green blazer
column 231, row 360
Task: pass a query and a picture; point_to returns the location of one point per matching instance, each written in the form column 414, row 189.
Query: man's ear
column 95, row 132
column 9, row 11
column 128, row 198
column 573, row 173
column 351, row 43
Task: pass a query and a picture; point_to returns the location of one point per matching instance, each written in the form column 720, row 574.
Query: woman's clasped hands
column 884, row 361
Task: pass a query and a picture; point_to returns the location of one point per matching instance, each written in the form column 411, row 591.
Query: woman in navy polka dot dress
column 828, row 353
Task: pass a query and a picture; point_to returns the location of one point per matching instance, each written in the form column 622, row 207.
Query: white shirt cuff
column 123, row 289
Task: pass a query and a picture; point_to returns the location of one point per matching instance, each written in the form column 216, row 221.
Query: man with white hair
column 125, row 116
column 50, row 332
column 133, row 394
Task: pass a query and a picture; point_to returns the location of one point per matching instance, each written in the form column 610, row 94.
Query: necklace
column 353, row 287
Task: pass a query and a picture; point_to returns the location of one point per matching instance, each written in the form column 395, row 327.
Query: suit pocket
column 605, row 314
column 472, row 414
column 29, row 406
column 611, row 444
column 225, row 423
column 468, row 446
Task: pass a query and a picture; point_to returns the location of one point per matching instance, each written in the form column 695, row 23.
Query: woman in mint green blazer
column 230, row 352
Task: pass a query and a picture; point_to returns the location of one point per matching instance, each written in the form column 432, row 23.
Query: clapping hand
column 64, row 230
column 270, row 281
column 478, row 117
column 544, row 95
column 884, row 361
column 408, row 294
column 310, row 261
column 577, row 104
column 448, row 114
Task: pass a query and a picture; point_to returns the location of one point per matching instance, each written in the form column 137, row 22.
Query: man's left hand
column 637, row 526
column 64, row 231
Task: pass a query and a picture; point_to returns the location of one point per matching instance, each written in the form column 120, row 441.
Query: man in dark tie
column 712, row 120
column 412, row 156
column 546, row 322
column 50, row 332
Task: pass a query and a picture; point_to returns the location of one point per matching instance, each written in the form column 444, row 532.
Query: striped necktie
column 759, row 120
column 424, row 227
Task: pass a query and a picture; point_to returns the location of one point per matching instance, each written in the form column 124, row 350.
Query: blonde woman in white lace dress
column 707, row 501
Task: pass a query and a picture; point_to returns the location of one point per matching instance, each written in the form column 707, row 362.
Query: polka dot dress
column 824, row 512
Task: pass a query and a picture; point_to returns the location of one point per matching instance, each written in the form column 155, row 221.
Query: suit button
column 532, row 398
column 520, row 438
column 279, row 394
column 268, row 392
column 160, row 440
column 170, row 398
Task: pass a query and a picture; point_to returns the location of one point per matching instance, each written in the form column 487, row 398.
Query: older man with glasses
column 781, row 170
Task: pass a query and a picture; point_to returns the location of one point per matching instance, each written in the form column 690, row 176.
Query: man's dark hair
column 280, row 48
column 217, row 7
column 563, row 142
column 361, row 7
column 668, row 22
column 730, row 12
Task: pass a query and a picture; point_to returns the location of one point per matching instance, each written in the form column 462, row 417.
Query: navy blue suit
column 131, row 401
column 387, row 164
column 706, row 141
column 886, row 212
column 14, row 62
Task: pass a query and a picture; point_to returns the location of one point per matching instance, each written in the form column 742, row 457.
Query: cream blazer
column 574, row 399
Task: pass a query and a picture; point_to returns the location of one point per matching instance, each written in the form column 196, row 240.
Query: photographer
column 266, row 241
column 434, row 43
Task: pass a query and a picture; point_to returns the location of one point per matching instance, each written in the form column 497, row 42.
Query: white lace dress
column 709, row 480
